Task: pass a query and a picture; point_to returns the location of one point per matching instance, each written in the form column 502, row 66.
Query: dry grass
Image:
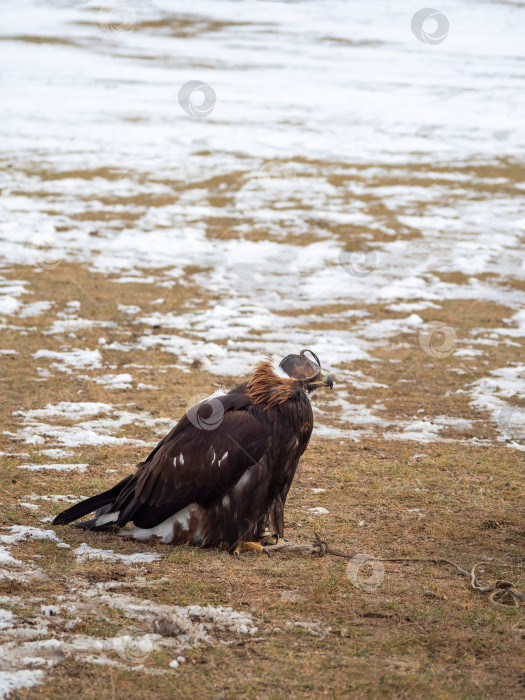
column 422, row 633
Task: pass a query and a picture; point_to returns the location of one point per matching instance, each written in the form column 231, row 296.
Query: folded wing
column 191, row 464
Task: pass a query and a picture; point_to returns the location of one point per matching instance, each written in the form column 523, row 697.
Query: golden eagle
column 221, row 476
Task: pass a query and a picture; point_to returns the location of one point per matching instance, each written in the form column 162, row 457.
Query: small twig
column 499, row 590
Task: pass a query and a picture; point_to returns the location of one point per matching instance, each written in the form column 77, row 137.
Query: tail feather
column 90, row 504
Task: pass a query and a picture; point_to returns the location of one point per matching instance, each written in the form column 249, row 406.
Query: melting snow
column 86, row 552
column 425, row 430
column 15, row 680
column 115, row 381
column 86, row 432
column 56, row 498
column 55, row 467
column 21, row 533
column 500, row 394
column 36, row 308
column 72, row 359
column 57, row 453
column 319, row 510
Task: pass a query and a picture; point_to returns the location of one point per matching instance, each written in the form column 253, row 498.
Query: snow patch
column 72, row 359
column 54, row 467
column 86, row 552
column 22, row 533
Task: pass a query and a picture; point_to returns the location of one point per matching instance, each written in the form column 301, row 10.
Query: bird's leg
column 248, row 546
column 266, row 534
column 269, row 538
column 275, row 521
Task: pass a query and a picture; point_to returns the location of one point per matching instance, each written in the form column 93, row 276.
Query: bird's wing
column 193, row 464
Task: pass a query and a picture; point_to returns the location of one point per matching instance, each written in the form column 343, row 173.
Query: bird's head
column 306, row 370
column 273, row 384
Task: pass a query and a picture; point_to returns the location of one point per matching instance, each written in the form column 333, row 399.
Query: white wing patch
column 222, row 458
column 163, row 530
column 107, row 518
column 245, row 478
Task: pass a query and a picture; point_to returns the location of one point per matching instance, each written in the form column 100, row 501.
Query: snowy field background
column 344, row 162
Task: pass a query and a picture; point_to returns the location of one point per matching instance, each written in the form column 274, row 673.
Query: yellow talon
column 249, row 546
column 272, row 540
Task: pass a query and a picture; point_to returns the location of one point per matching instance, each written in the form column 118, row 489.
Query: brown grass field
column 421, row 634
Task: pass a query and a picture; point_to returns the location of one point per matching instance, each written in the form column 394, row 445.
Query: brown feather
column 232, row 479
column 267, row 388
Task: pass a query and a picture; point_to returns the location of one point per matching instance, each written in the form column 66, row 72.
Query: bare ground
column 421, row 633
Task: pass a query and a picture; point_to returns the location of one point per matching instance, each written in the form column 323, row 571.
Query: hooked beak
column 324, row 379
column 328, row 381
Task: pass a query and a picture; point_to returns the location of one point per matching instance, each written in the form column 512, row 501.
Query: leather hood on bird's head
column 301, row 367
